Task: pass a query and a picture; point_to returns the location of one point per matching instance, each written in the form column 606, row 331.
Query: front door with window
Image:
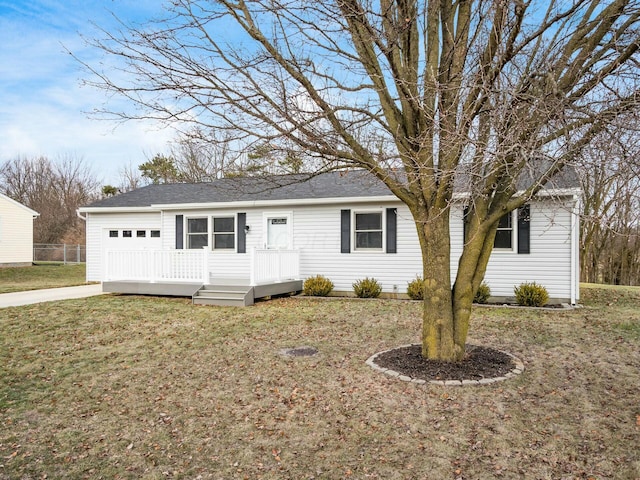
column 278, row 232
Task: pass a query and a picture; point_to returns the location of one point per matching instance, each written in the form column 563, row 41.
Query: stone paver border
column 517, row 370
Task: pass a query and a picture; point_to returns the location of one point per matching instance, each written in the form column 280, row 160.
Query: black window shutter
column 392, row 230
column 179, row 232
column 242, row 234
column 524, row 222
column 465, row 214
column 345, row 231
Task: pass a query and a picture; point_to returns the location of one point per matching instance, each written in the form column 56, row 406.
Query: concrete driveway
column 16, row 299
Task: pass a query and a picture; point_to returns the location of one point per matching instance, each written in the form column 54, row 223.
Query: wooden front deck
column 220, row 292
column 194, row 273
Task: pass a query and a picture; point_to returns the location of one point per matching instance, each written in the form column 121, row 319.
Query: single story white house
column 16, row 233
column 252, row 236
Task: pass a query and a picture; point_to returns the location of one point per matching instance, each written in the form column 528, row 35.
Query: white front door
column 278, row 231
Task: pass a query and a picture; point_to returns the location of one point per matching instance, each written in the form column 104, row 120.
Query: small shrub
column 367, row 288
column 317, row 286
column 531, row 294
column 483, row 293
column 415, row 289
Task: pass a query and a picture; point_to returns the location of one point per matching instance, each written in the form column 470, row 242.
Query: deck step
column 224, row 295
column 221, row 301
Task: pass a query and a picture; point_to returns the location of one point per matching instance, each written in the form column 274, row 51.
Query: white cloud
column 42, row 106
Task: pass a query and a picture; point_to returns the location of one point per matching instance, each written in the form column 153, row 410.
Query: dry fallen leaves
column 207, row 381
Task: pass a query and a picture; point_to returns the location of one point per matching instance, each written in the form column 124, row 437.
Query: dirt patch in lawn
column 299, row 352
column 478, row 363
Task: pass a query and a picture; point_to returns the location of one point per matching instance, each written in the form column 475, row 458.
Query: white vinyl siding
column 548, row 263
column 16, row 233
column 317, row 235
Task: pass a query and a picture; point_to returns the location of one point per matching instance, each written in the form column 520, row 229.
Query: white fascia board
column 150, row 209
column 18, row 204
column 276, row 203
column 545, row 193
column 559, row 192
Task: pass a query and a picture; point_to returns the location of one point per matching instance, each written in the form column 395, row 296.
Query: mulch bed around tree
column 479, row 362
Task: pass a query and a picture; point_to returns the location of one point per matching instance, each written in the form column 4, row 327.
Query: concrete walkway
column 16, row 299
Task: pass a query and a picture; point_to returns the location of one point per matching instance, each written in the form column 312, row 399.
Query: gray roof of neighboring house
column 353, row 183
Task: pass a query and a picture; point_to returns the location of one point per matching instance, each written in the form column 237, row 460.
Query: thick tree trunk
column 447, row 308
column 439, row 338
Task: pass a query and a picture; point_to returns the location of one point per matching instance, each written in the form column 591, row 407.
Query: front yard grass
column 49, row 275
column 143, row 387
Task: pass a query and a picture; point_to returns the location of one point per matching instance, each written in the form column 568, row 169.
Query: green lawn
column 155, row 388
column 49, row 275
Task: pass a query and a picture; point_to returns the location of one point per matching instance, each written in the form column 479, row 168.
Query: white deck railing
column 193, row 265
column 157, row 265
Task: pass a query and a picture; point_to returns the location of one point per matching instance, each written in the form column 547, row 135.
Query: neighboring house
column 167, row 239
column 16, row 233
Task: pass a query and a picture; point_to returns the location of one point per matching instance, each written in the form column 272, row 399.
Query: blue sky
column 42, row 103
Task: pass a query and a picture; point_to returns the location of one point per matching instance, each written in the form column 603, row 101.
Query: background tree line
column 610, row 224
column 55, row 189
column 195, row 157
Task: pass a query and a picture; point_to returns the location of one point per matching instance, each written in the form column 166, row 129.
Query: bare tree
column 55, row 189
column 425, row 94
column 610, row 231
column 203, row 156
column 130, row 179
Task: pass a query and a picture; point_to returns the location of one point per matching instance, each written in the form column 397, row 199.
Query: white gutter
column 545, row 193
column 277, row 203
column 117, row 209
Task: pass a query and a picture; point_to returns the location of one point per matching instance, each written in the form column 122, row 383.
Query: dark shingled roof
column 354, row 183
column 357, row 183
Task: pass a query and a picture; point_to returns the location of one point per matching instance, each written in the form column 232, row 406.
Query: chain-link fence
column 59, row 252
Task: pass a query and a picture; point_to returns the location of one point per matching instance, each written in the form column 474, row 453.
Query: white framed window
column 506, row 233
column 197, row 232
column 224, row 233
column 368, row 230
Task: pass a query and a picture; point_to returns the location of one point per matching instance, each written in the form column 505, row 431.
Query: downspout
column 575, row 251
column 84, row 219
column 577, row 243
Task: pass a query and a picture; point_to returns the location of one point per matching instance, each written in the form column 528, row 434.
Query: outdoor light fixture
column 247, row 228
